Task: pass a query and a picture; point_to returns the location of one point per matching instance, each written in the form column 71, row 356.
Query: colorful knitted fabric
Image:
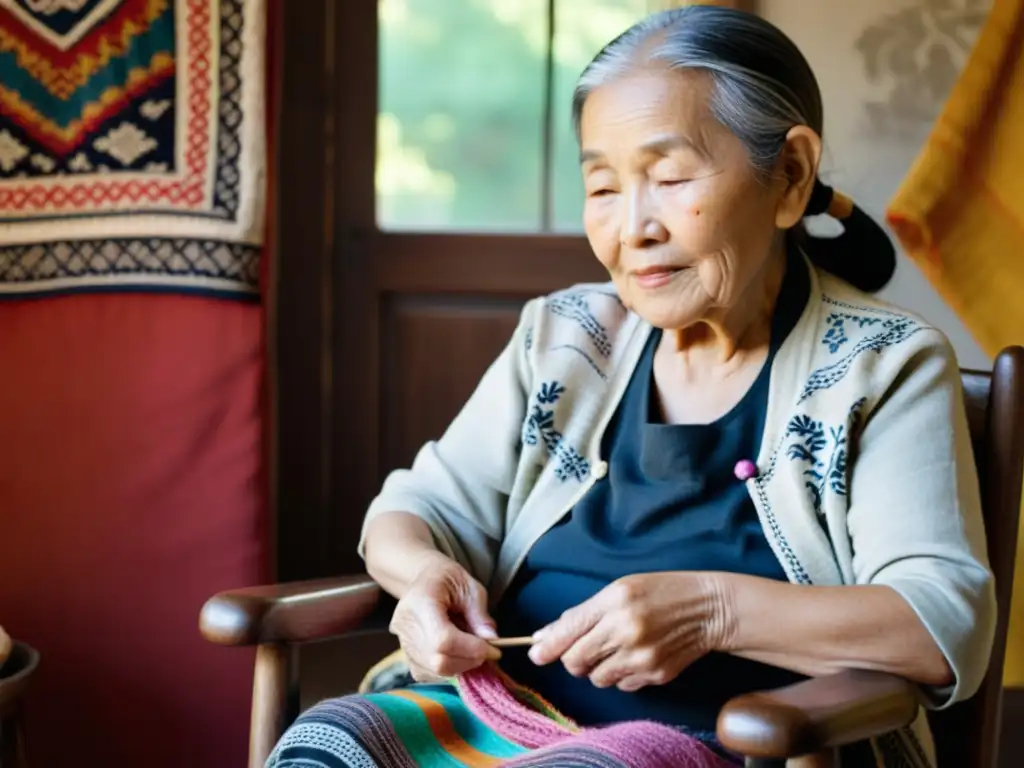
column 484, row 719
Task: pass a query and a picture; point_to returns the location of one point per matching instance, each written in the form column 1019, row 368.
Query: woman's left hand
column 639, row 630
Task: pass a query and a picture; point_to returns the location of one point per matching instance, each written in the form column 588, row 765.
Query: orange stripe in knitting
column 445, row 733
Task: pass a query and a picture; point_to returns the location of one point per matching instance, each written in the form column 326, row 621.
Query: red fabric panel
column 131, row 488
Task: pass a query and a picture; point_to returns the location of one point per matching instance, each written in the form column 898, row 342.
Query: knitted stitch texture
column 524, row 717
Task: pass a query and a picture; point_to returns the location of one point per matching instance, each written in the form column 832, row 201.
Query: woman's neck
column 734, row 334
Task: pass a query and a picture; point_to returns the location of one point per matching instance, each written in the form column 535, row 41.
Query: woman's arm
column 923, row 606
column 459, row 484
column 441, row 620
column 914, row 522
column 822, row 630
column 399, row 547
column 646, row 628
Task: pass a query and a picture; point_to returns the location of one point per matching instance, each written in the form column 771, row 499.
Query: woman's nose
column 641, row 228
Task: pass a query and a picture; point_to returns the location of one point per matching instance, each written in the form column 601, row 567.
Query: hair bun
column 821, row 199
column 863, row 255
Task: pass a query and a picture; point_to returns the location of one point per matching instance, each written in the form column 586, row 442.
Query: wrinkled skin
column 443, row 625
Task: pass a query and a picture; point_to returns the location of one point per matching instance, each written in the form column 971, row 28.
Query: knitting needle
column 511, row 642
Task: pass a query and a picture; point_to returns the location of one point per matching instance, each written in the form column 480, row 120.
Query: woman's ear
column 798, row 169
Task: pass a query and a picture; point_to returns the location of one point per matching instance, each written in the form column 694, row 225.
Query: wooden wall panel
column 348, row 296
column 434, row 349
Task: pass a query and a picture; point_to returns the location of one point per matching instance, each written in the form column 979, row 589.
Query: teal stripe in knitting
column 472, row 730
column 414, row 732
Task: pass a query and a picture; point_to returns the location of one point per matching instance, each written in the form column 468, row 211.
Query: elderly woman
column 724, row 471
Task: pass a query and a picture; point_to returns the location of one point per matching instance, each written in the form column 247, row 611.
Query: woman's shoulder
column 586, row 324
column 850, row 319
column 599, row 300
column 866, row 342
column 838, row 295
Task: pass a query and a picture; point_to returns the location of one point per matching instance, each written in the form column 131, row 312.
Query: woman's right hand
column 443, row 624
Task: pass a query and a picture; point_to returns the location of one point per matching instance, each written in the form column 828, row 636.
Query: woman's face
column 673, row 208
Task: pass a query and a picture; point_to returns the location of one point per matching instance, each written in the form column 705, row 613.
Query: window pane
column 460, row 134
column 582, row 27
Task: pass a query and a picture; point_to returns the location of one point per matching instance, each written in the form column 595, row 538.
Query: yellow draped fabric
column 959, row 214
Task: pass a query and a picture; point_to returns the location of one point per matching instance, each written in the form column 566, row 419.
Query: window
column 474, row 130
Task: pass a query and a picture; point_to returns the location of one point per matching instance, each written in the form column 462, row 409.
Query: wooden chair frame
column 812, row 717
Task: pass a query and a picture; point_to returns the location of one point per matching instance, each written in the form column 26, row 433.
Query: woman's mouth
column 655, row 277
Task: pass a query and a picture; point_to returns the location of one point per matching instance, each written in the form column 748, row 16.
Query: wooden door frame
column 323, row 235
column 1011, row 746
column 326, row 234
column 304, row 246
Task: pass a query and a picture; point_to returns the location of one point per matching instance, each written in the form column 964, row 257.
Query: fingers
column 453, row 642
column 421, row 675
column 555, row 640
column 588, row 652
column 475, row 612
column 443, row 624
column 611, row 671
column 448, row 651
column 435, row 646
column 631, row 670
column 632, row 683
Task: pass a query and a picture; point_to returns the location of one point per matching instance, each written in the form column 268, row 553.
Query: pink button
column 745, row 470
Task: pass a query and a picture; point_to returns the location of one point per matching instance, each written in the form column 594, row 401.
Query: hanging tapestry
column 132, row 145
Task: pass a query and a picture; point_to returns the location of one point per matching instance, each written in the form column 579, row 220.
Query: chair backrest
column 967, row 735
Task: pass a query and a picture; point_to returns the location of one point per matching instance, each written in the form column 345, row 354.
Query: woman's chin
column 669, row 313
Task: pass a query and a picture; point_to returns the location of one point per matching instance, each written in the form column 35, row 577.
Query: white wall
column 885, row 68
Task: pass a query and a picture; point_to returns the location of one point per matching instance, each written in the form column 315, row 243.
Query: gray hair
column 763, row 85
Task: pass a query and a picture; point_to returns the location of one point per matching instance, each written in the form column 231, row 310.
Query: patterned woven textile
column 132, row 145
column 483, row 720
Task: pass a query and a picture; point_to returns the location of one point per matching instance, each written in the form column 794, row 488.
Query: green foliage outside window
column 462, row 103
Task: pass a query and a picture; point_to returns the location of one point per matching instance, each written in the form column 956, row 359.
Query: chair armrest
column 295, row 612
column 817, row 714
column 6, row 645
column 15, row 675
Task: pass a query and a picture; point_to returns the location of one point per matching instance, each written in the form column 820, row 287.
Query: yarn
column 524, row 717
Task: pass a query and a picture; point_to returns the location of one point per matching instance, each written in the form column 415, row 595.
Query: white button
column 599, row 470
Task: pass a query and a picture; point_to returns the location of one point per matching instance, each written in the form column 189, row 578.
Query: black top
column 670, row 502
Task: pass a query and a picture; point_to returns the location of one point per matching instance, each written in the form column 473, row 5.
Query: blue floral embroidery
column 811, row 439
column 836, row 336
column 892, row 329
column 539, row 428
column 800, row 574
column 574, row 306
column 585, row 356
column 550, row 392
column 860, row 309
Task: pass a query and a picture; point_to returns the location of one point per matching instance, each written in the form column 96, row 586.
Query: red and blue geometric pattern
column 132, row 145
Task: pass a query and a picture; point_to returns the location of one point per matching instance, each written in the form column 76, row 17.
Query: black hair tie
column 863, row 254
column 824, row 199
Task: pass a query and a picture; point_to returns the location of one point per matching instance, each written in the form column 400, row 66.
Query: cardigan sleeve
column 915, row 513
column 459, row 484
